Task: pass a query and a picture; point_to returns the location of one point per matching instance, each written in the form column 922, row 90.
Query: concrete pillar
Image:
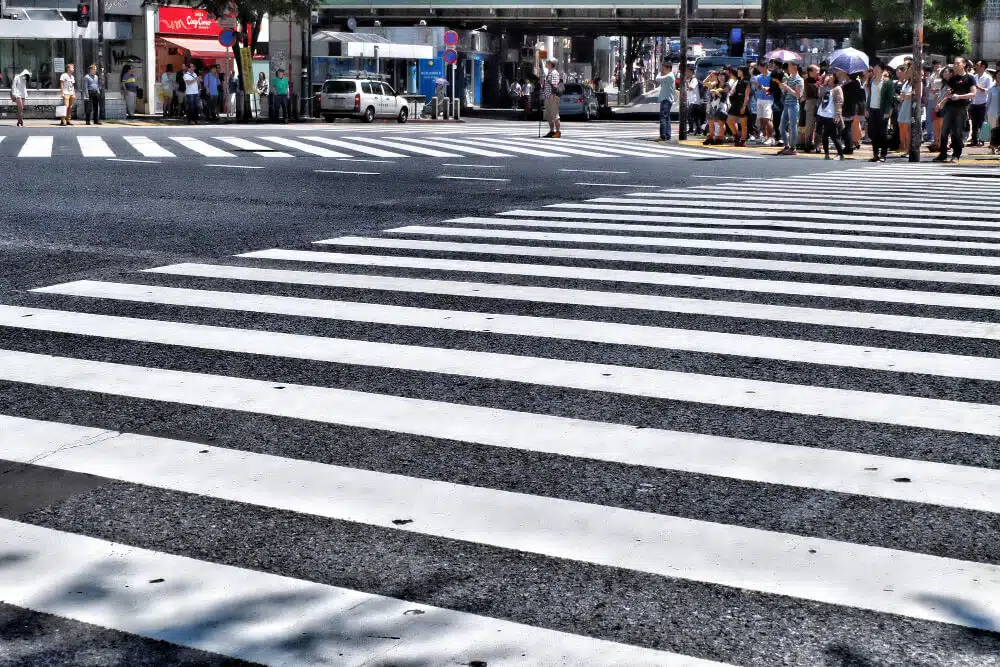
column 150, row 74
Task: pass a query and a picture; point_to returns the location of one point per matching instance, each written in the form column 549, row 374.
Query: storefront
column 45, row 42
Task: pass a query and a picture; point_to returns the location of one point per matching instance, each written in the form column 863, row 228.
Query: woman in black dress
column 739, row 98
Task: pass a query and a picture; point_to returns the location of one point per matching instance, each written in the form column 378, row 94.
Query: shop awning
column 200, row 48
column 366, row 45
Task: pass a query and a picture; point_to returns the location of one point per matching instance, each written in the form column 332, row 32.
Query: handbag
column 61, row 111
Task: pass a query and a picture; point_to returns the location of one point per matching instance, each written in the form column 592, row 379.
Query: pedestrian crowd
column 778, row 104
column 207, row 94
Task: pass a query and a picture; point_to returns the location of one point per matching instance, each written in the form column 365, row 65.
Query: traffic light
column 83, row 15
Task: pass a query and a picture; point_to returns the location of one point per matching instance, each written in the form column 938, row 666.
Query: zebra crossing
column 345, row 145
column 590, row 433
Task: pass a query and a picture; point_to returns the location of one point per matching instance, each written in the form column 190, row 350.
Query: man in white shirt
column 18, row 93
column 67, row 86
column 667, row 83
column 191, row 92
column 977, row 112
column 550, row 99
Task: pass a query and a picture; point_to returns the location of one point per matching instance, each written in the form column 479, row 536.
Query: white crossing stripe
column 716, row 211
column 304, row 147
column 895, row 210
column 832, row 203
column 147, row 147
column 201, row 147
column 395, row 145
column 719, row 221
column 246, row 145
column 610, row 239
column 700, row 281
column 712, row 244
column 292, row 623
column 549, row 149
column 817, row 569
column 482, row 152
column 463, row 144
column 36, row 146
column 94, row 146
column 756, row 311
column 357, row 148
column 859, row 270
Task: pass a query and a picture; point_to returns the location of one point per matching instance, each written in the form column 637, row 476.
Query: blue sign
column 735, row 35
column 227, row 37
column 451, row 38
column 451, row 56
column 430, row 71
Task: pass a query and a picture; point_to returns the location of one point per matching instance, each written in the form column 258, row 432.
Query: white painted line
column 304, row 147
column 403, row 147
column 357, row 148
column 452, row 146
column 234, row 166
column 94, row 146
column 259, row 149
column 554, row 148
column 738, row 178
column 741, row 246
column 713, row 231
column 618, row 185
column 825, row 203
column 823, row 570
column 473, row 166
column 592, row 171
column 147, row 147
column 281, row 620
column 355, row 159
column 201, row 147
column 650, row 302
column 473, row 178
column 724, row 223
column 698, row 281
column 338, row 171
column 463, row 144
column 897, row 208
column 120, row 159
column 36, row 146
column 864, row 271
column 616, row 148
column 809, row 467
column 708, row 210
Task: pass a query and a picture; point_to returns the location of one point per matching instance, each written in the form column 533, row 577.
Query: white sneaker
column 769, row 142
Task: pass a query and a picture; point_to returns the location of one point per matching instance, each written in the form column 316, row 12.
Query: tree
column 886, row 23
column 249, row 15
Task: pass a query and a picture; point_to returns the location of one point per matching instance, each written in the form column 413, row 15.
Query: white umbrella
column 899, row 61
column 783, row 56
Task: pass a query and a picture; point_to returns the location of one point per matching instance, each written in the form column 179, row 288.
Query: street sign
column 227, row 38
column 228, row 23
column 451, row 56
column 451, row 38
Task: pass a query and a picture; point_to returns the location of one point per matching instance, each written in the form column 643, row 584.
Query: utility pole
column 682, row 110
column 917, row 77
column 101, row 68
column 762, row 44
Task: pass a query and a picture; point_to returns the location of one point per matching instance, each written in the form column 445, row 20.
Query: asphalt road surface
column 454, row 395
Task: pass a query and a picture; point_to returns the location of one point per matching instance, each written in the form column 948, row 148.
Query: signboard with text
column 187, row 21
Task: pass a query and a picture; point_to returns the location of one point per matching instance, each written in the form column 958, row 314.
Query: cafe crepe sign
column 187, row 21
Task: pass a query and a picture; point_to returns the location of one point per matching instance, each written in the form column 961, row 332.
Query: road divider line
column 340, row 171
column 121, row 159
column 473, row 178
column 234, row 166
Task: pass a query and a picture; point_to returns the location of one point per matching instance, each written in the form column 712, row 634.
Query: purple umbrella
column 850, row 61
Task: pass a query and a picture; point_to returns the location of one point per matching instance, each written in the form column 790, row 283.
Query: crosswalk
column 347, row 145
column 635, row 430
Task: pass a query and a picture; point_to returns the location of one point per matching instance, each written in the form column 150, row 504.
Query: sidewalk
column 157, row 120
column 863, row 154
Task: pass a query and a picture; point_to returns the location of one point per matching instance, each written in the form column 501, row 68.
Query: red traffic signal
column 83, row 15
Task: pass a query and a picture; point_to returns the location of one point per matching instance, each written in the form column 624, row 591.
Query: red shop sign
column 187, row 21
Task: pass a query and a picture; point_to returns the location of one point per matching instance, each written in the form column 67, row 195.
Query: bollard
column 457, row 111
column 434, row 108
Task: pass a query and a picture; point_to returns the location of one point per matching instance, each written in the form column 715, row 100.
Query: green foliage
column 950, row 37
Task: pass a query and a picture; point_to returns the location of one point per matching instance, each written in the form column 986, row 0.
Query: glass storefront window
column 39, row 57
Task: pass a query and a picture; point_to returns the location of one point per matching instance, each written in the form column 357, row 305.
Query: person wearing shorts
column 67, row 86
column 550, row 93
column 765, row 113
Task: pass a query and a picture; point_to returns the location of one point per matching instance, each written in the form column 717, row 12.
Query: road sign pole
column 682, row 110
column 917, row 77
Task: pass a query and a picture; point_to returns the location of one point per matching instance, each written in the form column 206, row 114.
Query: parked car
column 363, row 99
column 578, row 100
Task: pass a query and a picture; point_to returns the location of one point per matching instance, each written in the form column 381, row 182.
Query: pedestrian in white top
column 977, row 112
column 515, row 95
column 18, row 93
column 67, row 86
column 551, row 90
column 665, row 98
